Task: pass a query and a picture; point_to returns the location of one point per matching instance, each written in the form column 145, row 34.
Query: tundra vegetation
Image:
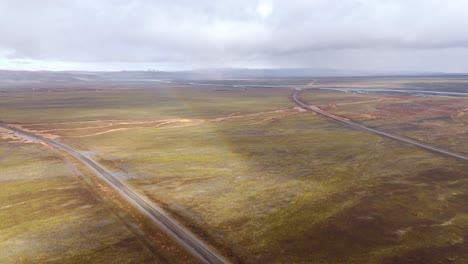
column 52, row 212
column 244, row 168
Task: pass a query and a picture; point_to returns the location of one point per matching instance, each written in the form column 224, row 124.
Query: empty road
column 165, row 222
column 343, row 120
column 375, row 131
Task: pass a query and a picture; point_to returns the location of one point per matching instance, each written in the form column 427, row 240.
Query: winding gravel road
column 185, row 237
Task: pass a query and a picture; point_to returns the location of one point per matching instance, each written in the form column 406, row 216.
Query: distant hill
column 207, row 74
column 45, row 76
column 304, row 72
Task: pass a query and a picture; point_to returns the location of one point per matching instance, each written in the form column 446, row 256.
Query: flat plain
column 53, row 213
column 244, row 168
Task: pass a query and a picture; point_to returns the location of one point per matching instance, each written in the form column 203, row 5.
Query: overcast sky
column 395, row 35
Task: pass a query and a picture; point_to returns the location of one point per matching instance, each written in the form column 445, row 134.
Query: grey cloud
column 227, row 32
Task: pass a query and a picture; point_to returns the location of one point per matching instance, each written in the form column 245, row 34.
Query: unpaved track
column 8, row 152
column 375, row 131
column 165, row 222
column 185, row 237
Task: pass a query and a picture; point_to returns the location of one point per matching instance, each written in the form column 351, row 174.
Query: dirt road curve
column 182, row 235
column 375, row 131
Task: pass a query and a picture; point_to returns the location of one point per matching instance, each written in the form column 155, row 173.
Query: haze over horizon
column 355, row 35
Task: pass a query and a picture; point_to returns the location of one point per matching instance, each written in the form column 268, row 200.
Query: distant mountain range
column 80, row 76
column 304, row 72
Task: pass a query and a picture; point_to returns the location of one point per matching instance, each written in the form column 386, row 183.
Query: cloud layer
column 383, row 34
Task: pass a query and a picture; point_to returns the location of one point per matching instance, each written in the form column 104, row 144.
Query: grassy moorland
column 52, row 212
column 262, row 180
column 126, row 104
column 438, row 120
